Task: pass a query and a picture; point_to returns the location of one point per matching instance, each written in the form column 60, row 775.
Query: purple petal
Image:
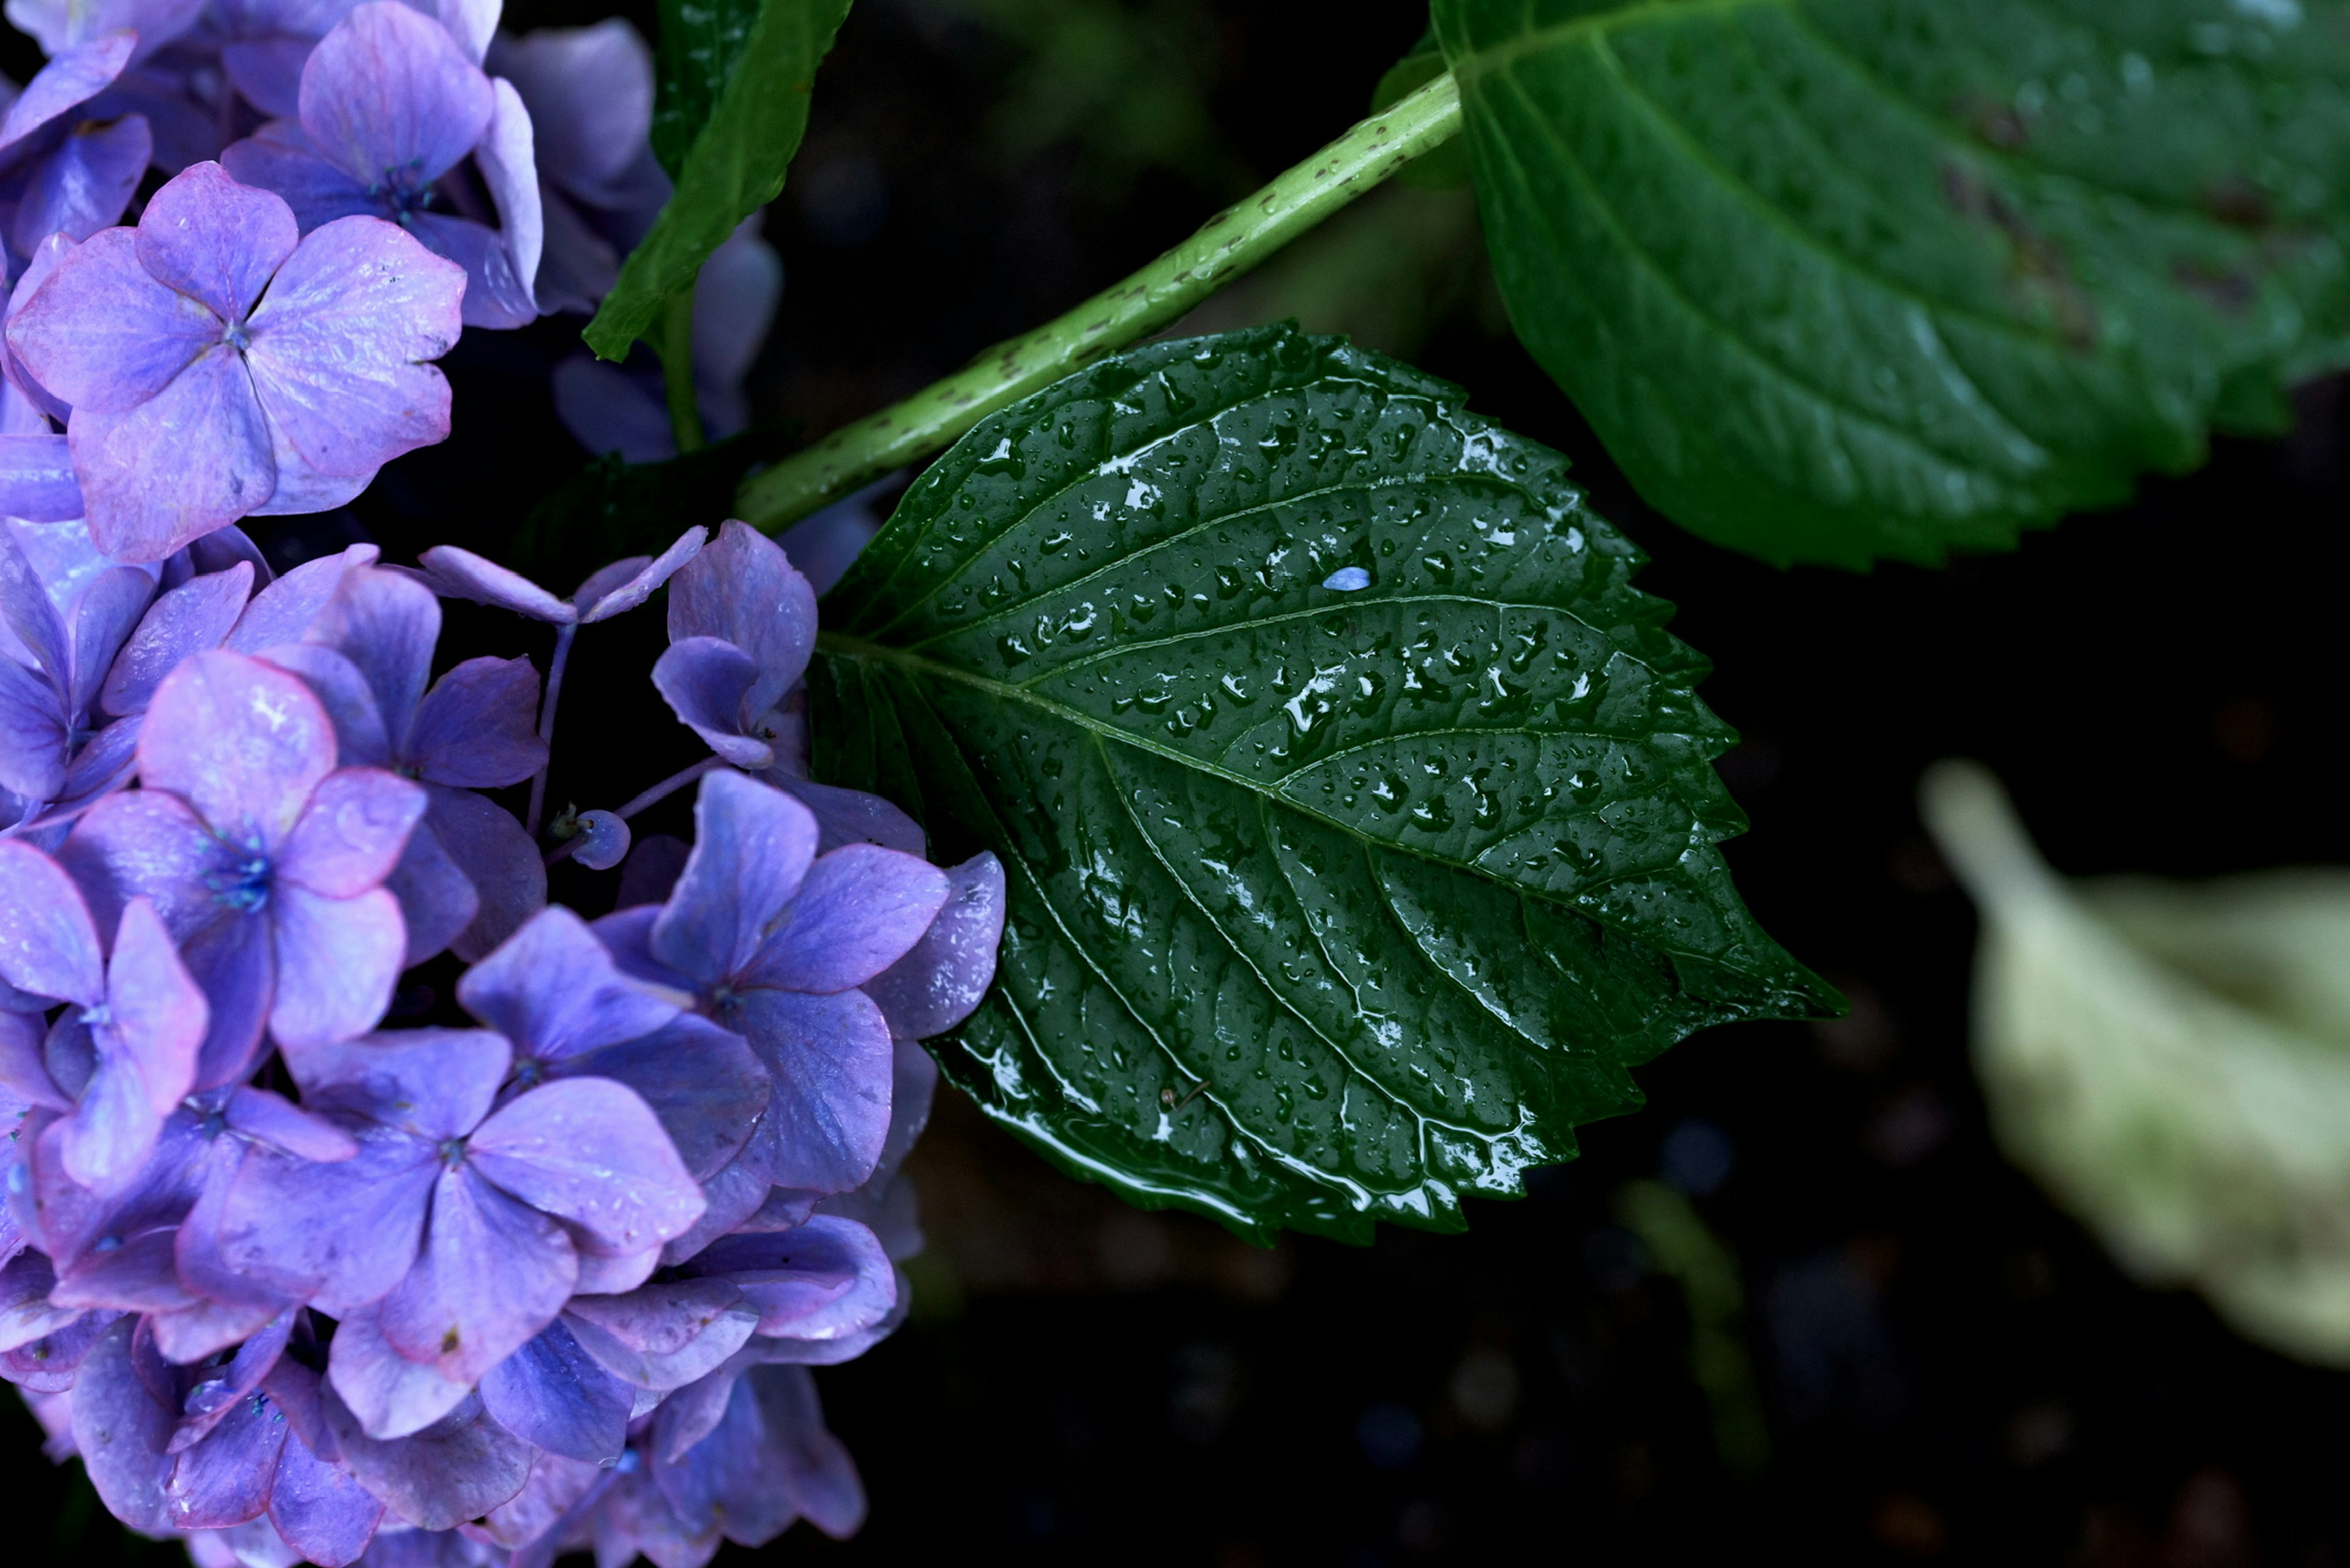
column 145, row 844
column 286, row 610
column 857, row 913
column 244, row 741
column 431, row 1084
column 741, row 589
column 461, row 575
column 48, row 1364
column 589, row 1151
column 33, row 735
column 302, row 489
column 829, row 1278
column 535, row 1521
column 752, row 846
column 217, row 1389
column 734, row 304
column 339, row 343
column 193, row 458
column 707, row 683
column 136, row 1276
column 635, row 1518
column 213, row 240
column 147, row 1052
column 48, row 945
column 350, row 835
column 268, row 73
column 105, row 766
column 615, row 1276
column 225, row 1479
column 25, row 1311
column 822, row 1479
column 507, row 873
column 830, row 1113
column 496, row 294
column 103, row 334
column 606, row 408
column 851, row 817
column 280, row 159
column 476, row 728
column 554, row 991
column 725, row 1481
column 659, row 1320
column 703, row 1083
column 103, row 618
column 277, row 1120
column 661, row 1371
column 826, row 543
column 437, row 901
column 318, row 1507
column 591, row 92
column 78, row 72
column 603, row 840
column 205, row 1327
column 651, row 870
column 120, row 1428
column 552, row 1393
column 734, row 1195
column 191, row 618
column 234, row 960
column 387, row 625
column 472, row 23
column 940, row 981
column 454, row 1471
column 507, row 160
column 339, row 1235
column 391, row 1396
column 611, row 592
column 37, row 478
column 388, row 92
column 491, row 1274
column 22, row 1072
column 338, row 961
column 360, row 739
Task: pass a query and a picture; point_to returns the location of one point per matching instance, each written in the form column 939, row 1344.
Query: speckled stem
column 1226, row 246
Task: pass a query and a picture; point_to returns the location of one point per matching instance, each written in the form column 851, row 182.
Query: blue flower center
column 529, row 1071
column 243, row 884
column 403, row 191
column 236, row 337
column 451, row 1151
column 97, row 1017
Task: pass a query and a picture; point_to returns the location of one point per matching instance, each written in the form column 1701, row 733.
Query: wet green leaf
column 1837, row 280
column 1330, row 904
column 735, row 159
column 700, row 42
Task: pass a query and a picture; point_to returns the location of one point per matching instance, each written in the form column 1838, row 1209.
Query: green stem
column 676, row 349
column 1226, row 246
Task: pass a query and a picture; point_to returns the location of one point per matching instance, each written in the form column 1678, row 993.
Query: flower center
column 451, row 1151
column 529, row 1071
column 236, row 337
column 243, row 884
column 97, row 1017
column 403, row 191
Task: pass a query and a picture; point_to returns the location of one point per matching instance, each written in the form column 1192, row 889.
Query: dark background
column 1950, row 1368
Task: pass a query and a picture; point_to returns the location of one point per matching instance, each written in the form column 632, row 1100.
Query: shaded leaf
column 611, row 508
column 1837, row 280
column 1358, row 814
column 700, row 42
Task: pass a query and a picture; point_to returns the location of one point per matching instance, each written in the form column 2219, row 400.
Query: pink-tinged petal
column 350, row 837
column 158, row 1014
column 741, row 589
column 462, row 574
column 243, row 742
column 752, row 846
column 826, row 1279
column 37, row 479
column 615, row 1276
column 437, row 901
column 286, row 609
column 84, row 185
column 703, row 1083
column 276, row 1120
column 338, row 962
column 552, row 1394
column 146, row 844
column 554, row 991
column 387, row 625
column 624, row 584
column 707, row 683
column 225, row 1479
column 27, row 1314
column 508, row 162
column 192, row 617
column 238, row 1298
column 392, row 1396
column 829, row 1114
column 659, row 1320
column 589, row 1151
column 33, row 736
column 32, row 398
column 235, row 960
column 205, row 1327
column 594, row 90
column 389, row 94
column 339, row 1235
column 78, row 72
column 47, row 1365
column 193, row 458
column 103, row 334
column 657, row 1371
column 278, row 158
column 942, row 979
column 859, row 910
column 48, row 946
column 507, row 873
column 215, row 240
column 476, row 728
column 360, row 739
column 339, row 343
column 120, row 1428
column 302, row 489
column 456, row 1470
column 319, row 1509
column 431, row 1085
column 734, row 1194
column 851, row 817
column 216, row 1390
column 214, row 554
column 492, row 1273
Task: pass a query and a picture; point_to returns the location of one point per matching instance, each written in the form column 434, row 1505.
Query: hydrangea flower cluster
column 546, row 1269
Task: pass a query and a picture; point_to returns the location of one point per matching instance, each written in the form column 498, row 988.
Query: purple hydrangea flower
column 469, row 871
column 266, row 860
column 612, row 590
column 49, row 710
column 390, row 105
column 216, row 365
column 60, row 172
column 456, row 1233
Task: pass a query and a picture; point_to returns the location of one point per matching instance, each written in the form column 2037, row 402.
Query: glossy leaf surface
column 1359, row 814
column 735, row 162
column 700, row 42
column 1839, row 280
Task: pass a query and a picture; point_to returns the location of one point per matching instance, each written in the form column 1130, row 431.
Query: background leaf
column 700, row 42
column 1448, row 165
column 1328, row 905
column 736, row 161
column 1842, row 279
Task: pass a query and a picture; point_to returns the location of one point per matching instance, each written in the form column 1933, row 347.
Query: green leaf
column 1845, row 279
column 735, row 164
column 611, row 508
column 700, row 42
column 1328, row 905
column 1447, row 166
